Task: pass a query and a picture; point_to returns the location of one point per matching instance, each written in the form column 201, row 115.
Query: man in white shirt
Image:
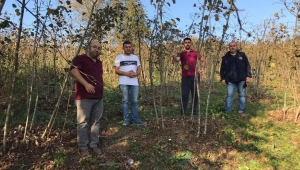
column 128, row 67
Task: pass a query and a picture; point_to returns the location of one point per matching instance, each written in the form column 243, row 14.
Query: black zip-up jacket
column 235, row 68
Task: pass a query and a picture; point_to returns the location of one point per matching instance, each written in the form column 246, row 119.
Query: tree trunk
column 2, row 2
column 199, row 47
column 5, row 129
column 151, row 80
column 211, row 79
column 33, row 69
column 297, row 113
column 67, row 111
column 161, row 59
column 34, row 112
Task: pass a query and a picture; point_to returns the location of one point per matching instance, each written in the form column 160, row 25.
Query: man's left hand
column 200, row 70
column 248, row 79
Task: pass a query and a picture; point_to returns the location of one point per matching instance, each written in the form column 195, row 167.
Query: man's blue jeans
column 129, row 92
column 230, row 96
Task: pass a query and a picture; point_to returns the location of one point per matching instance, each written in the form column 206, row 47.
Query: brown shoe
column 84, row 152
column 97, row 150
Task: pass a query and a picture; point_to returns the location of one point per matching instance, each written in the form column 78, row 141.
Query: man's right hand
column 131, row 74
column 223, row 82
column 90, row 88
column 174, row 54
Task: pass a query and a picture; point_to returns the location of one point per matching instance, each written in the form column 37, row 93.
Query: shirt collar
column 191, row 50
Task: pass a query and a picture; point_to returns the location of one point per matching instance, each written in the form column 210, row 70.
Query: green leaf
column 183, row 155
column 184, row 162
column 178, row 19
column 59, row 24
column 79, row 1
column 206, row 28
column 217, row 17
column 4, row 24
column 68, row 2
column 14, row 5
column 1, row 54
column 17, row 12
column 173, row 22
column 8, row 40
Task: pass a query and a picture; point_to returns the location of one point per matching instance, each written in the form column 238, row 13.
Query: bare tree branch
column 2, row 2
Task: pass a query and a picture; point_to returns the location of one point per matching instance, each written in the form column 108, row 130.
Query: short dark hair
column 187, row 39
column 126, row 42
column 233, row 42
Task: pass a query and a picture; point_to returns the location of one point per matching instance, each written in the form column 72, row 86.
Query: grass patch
column 60, row 158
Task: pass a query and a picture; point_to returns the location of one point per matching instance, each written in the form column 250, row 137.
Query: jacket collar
column 228, row 53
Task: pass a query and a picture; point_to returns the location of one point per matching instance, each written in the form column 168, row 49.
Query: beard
column 233, row 50
column 94, row 55
column 127, row 52
column 187, row 47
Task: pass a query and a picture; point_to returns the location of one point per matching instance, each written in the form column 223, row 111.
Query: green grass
column 265, row 143
column 60, row 158
column 258, row 141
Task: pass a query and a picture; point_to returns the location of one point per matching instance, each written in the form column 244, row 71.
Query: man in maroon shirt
column 189, row 59
column 87, row 70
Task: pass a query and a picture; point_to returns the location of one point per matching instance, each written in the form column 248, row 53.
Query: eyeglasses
column 95, row 47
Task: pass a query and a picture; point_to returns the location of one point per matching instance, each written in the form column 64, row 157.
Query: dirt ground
column 116, row 143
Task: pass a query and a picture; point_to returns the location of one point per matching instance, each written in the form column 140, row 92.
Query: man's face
column 233, row 47
column 187, row 44
column 94, row 50
column 127, row 49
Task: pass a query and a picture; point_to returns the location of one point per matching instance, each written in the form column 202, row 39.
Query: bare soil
column 118, row 144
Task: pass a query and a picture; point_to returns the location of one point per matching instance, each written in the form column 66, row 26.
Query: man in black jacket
column 235, row 72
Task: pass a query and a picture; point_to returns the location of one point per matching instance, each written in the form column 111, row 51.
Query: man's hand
column 175, row 56
column 248, row 79
column 90, row 88
column 200, row 70
column 131, row 74
column 223, row 82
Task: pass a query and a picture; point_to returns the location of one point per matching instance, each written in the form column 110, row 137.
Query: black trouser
column 188, row 85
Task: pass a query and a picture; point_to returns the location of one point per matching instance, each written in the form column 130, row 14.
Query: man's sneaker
column 126, row 122
column 84, row 152
column 97, row 150
column 242, row 115
column 139, row 122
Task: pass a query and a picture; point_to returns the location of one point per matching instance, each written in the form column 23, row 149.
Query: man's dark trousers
column 188, row 85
